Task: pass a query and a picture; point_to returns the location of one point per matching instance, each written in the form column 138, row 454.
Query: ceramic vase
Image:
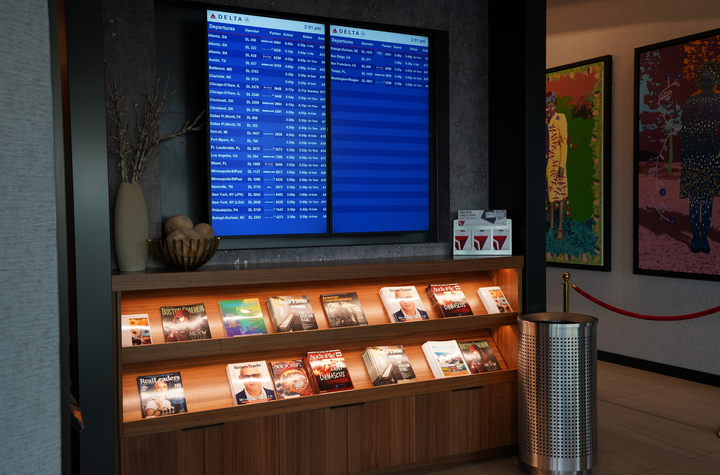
column 131, row 228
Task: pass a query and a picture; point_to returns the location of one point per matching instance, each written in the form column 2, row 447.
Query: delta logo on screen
column 347, row 31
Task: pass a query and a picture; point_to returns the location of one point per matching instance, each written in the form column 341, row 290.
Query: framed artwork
column 577, row 171
column 677, row 174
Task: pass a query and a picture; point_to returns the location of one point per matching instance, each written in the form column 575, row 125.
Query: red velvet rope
column 645, row 317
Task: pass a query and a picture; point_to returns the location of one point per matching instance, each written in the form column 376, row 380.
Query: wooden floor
column 648, row 424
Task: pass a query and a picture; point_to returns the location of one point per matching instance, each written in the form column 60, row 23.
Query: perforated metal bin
column 557, row 393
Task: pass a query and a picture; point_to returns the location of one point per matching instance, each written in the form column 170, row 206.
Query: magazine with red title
column 327, row 371
column 448, row 300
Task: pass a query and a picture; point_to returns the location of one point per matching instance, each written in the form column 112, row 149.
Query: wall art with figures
column 677, row 163
column 577, row 164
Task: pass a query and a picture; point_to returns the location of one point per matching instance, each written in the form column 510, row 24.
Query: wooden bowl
column 180, row 257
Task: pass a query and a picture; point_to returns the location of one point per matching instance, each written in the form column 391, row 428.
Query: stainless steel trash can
column 557, row 393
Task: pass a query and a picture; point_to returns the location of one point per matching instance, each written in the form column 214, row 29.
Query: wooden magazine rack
column 403, row 428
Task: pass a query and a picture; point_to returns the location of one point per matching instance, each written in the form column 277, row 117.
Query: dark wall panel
column 130, row 32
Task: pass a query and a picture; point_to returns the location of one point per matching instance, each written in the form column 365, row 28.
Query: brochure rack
column 428, row 424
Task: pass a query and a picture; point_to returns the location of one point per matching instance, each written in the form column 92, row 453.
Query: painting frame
column 583, row 94
column 671, row 180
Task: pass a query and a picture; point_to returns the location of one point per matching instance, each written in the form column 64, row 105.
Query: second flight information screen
column 380, row 144
column 268, row 131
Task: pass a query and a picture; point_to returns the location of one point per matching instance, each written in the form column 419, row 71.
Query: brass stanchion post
column 566, row 292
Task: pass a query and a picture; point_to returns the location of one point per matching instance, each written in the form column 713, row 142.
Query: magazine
column 403, row 303
column 290, row 379
column 448, row 300
column 327, row 371
column 136, row 330
column 185, row 322
column 242, row 317
column 479, row 356
column 250, row 382
column 388, row 365
column 494, row 300
column 343, row 310
column 292, row 313
column 445, row 358
column 161, row 395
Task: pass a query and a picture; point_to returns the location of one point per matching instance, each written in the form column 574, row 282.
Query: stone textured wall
column 29, row 342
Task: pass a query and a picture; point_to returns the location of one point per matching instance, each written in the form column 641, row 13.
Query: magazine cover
column 135, row 330
column 388, row 365
column 290, row 379
column 185, row 322
column 403, row 304
column 479, row 356
column 161, row 395
column 494, row 300
column 327, row 371
column 448, row 300
column 242, row 317
column 445, row 358
column 343, row 310
column 292, row 313
column 250, row 382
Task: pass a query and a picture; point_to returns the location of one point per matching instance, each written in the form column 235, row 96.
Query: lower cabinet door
column 417, row 430
column 429, row 428
column 171, row 453
column 303, row 443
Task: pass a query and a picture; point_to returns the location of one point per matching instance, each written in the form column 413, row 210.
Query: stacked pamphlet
column 292, row 313
column 403, row 303
column 388, row 365
column 445, row 358
column 494, row 300
column 136, row 330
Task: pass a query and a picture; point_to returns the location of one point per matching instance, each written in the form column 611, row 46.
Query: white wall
column 29, row 337
column 583, row 29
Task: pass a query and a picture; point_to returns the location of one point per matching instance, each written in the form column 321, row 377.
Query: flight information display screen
column 270, row 170
column 380, row 131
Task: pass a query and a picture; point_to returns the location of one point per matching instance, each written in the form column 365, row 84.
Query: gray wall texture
column 130, row 47
column 617, row 27
column 30, row 441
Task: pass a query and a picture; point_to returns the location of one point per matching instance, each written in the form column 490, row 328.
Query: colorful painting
column 577, row 170
column 677, row 120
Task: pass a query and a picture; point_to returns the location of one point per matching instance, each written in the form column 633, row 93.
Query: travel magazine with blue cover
column 242, row 317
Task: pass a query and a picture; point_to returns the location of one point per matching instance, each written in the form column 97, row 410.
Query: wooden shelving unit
column 355, row 413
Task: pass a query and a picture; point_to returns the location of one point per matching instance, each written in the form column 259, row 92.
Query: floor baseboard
column 668, row 370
